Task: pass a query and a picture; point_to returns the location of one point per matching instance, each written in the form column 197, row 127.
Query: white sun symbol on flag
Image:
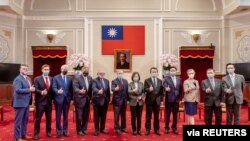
column 112, row 32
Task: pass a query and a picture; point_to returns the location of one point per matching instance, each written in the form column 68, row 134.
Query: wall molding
column 224, row 6
column 115, row 18
column 45, row 10
column 168, row 9
column 123, row 10
column 13, row 47
column 17, row 5
column 194, row 10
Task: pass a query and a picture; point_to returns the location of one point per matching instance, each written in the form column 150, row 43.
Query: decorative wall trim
column 13, row 41
column 77, row 3
column 115, row 18
column 167, row 9
column 243, row 48
column 193, row 10
column 32, row 7
column 167, row 31
column 17, row 5
column 12, row 16
column 122, row 10
column 224, row 6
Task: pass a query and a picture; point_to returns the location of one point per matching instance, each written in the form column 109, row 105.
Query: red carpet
column 6, row 128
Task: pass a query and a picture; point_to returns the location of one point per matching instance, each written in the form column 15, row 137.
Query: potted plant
column 166, row 61
column 77, row 62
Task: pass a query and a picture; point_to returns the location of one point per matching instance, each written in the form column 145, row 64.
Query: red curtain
column 55, row 56
column 198, row 58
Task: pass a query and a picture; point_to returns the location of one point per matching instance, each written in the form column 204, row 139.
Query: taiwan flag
column 129, row 37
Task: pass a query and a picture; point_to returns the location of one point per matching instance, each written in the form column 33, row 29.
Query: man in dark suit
column 154, row 93
column 173, row 90
column 22, row 95
column 100, row 99
column 213, row 97
column 119, row 87
column 62, row 88
column 43, row 100
column 233, row 86
column 82, row 86
column 122, row 63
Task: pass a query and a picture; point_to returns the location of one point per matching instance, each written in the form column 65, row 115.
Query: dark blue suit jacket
column 119, row 97
column 22, row 92
column 98, row 99
column 58, row 83
column 40, row 86
column 175, row 92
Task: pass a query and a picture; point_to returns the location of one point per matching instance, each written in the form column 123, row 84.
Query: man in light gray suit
column 233, row 86
column 213, row 97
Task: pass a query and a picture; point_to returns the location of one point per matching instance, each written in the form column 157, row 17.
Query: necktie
column 212, row 83
column 174, row 80
column 86, row 82
column 103, row 84
column 47, row 82
column 153, row 79
column 65, row 81
column 233, row 80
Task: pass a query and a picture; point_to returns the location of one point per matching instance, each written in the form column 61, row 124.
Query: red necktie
column 47, row 83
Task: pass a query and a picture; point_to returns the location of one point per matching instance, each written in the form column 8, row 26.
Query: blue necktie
column 65, row 81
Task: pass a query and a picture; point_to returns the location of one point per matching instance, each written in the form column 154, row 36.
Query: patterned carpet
column 6, row 128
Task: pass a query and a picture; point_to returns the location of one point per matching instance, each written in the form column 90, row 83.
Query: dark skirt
column 191, row 108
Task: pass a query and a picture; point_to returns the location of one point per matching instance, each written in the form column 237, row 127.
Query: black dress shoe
column 134, row 133
column 80, row 133
column 139, row 133
column 96, row 133
column 124, row 130
column 157, row 133
column 85, row 132
column 59, row 135
column 35, row 137
column 175, row 132
column 166, row 131
column 66, row 134
column 48, row 134
column 118, row 132
column 104, row 131
column 147, row 132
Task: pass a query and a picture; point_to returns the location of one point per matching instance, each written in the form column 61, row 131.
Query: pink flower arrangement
column 77, row 61
column 168, row 60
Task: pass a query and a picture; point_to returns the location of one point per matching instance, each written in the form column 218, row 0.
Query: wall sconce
column 196, row 37
column 50, row 37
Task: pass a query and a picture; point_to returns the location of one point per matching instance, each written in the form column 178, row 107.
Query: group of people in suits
column 84, row 90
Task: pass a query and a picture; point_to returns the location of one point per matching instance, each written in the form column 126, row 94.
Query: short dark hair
column 153, row 68
column 134, row 73
column 210, row 69
column 123, row 54
column 173, row 67
column 45, row 65
column 24, row 65
column 228, row 64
